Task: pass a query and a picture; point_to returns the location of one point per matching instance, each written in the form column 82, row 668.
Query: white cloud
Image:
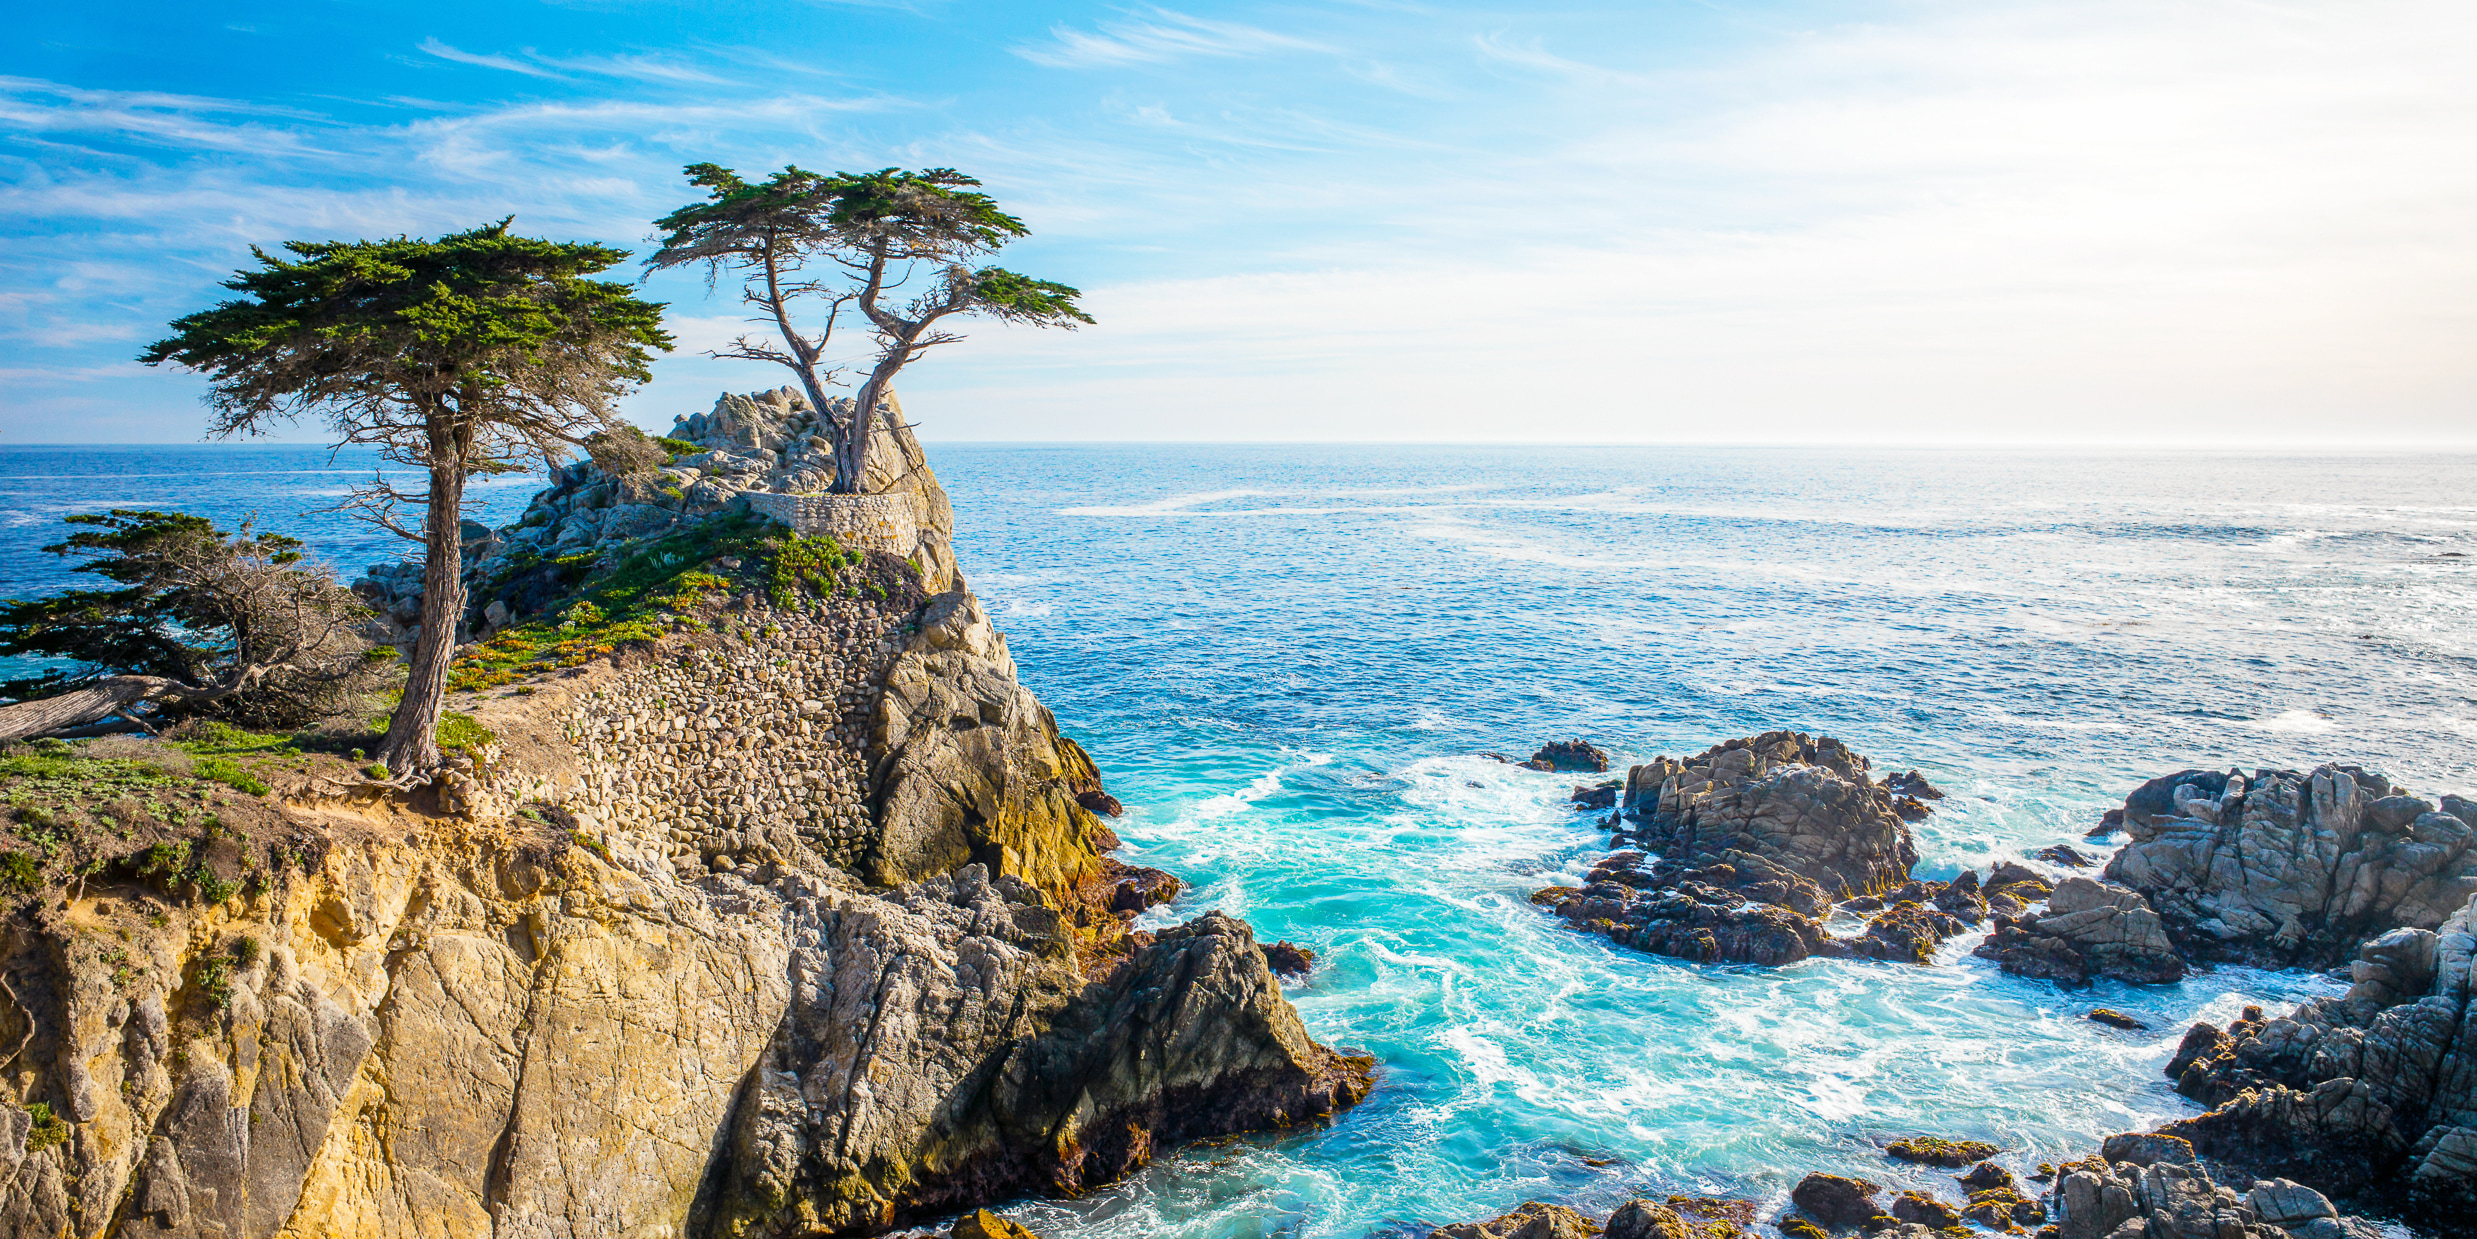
column 487, row 60
column 1161, row 37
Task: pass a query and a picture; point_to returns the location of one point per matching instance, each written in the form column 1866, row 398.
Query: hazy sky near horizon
column 2240, row 222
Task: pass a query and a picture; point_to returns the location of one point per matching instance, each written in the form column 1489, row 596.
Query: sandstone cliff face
column 790, row 922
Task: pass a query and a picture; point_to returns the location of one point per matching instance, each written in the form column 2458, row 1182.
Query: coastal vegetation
column 479, row 353
column 201, row 622
column 782, row 237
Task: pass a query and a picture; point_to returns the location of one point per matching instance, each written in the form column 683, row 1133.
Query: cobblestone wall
column 870, row 522
column 752, row 752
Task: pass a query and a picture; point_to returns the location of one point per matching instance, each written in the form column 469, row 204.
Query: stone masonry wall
column 866, row 522
column 749, row 752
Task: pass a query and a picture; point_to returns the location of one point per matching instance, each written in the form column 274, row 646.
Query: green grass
column 228, row 772
column 20, row 872
column 463, row 734
column 638, row 600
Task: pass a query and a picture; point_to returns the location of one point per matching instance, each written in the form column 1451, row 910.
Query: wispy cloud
column 1535, row 57
column 633, row 67
column 487, row 60
column 1158, row 37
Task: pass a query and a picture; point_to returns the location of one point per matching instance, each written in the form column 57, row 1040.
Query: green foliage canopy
column 502, row 337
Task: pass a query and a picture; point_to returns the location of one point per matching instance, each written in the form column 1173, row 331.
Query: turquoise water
column 1286, row 659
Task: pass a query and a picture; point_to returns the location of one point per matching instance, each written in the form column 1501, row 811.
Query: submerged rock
column 1937, row 1151
column 1569, row 755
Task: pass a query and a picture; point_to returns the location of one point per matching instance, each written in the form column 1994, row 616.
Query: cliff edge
column 761, row 899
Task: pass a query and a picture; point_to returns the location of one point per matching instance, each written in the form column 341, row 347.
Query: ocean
column 1289, row 660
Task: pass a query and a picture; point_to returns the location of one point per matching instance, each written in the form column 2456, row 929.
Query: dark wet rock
column 1134, row 888
column 2065, row 856
column 1983, row 1176
column 2115, row 1019
column 2088, row 930
column 1836, row 1201
column 1646, row 1219
column 1535, row 1220
column 2371, row 1097
column 1804, row 803
column 1100, row 802
column 1925, row 1210
column 1569, row 755
column 1936, row 1151
column 2282, row 868
column 1912, row 783
column 1597, row 795
column 2019, row 881
column 1744, row 908
column 2109, row 823
column 2102, row 1199
column 1906, row 933
column 1287, row 960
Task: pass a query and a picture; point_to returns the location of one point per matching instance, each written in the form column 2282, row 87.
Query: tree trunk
column 412, row 743
column 851, row 462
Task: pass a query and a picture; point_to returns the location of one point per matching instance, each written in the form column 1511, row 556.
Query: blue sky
column 2239, row 223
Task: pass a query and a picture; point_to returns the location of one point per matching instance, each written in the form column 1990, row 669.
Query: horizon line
column 2356, row 447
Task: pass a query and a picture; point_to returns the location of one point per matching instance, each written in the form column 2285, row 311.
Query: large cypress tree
column 476, row 353
column 885, row 230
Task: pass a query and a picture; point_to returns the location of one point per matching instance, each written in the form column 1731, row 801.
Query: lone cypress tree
column 882, row 228
column 477, row 353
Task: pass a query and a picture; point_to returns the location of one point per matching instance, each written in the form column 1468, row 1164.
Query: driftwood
column 119, row 695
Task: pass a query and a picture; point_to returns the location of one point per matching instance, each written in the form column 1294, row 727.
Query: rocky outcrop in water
column 1798, row 803
column 1746, row 848
column 2155, row 1188
column 2087, row 930
column 2375, row 1091
column 2285, row 868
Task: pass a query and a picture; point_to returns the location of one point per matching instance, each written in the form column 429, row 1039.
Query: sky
column 2215, row 223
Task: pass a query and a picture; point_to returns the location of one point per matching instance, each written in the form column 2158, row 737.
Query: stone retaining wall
column 755, row 751
column 870, row 522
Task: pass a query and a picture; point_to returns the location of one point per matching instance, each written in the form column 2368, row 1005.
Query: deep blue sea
column 1287, row 658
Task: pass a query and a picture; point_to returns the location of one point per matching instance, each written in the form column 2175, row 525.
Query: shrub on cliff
column 477, row 353
column 625, row 451
column 202, row 622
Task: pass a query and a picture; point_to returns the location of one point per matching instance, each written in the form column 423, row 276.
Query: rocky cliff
column 749, row 909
